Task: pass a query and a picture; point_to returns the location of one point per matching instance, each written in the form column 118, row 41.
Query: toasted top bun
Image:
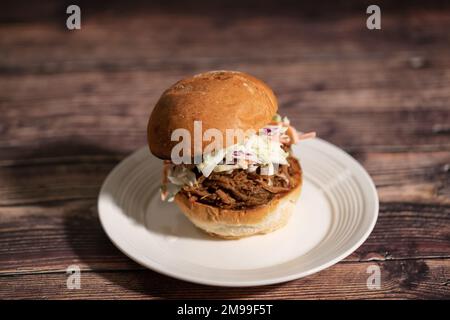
column 220, row 99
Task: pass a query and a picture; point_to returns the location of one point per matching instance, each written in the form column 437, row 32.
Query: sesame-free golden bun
column 220, row 99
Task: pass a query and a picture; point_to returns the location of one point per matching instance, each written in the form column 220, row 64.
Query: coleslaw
column 263, row 150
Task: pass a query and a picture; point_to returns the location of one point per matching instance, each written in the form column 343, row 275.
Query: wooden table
column 74, row 103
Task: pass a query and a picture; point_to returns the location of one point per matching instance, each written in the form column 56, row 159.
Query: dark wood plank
column 50, row 182
column 49, row 237
column 412, row 177
column 110, row 42
column 121, row 125
column 69, row 171
column 424, row 278
column 324, row 84
column 419, row 130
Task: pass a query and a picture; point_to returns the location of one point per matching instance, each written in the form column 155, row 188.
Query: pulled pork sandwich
column 249, row 186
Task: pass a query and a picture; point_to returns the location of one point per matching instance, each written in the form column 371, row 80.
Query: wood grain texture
column 408, row 279
column 73, row 104
column 49, row 237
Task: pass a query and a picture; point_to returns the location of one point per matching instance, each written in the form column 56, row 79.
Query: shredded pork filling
column 241, row 189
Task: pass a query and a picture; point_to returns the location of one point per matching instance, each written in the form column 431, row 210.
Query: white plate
column 336, row 212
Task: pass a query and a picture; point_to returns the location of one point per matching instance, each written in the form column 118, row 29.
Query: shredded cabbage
column 210, row 162
column 178, row 177
column 181, row 176
column 263, row 150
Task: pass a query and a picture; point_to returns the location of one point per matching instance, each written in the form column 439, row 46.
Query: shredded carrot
column 308, row 135
column 166, row 167
column 164, row 194
column 293, row 134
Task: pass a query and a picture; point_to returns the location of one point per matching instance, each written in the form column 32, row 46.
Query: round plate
column 336, row 212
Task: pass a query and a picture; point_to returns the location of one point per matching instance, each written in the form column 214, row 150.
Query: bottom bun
column 235, row 224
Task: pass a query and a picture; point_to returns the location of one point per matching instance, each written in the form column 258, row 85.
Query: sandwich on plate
column 227, row 155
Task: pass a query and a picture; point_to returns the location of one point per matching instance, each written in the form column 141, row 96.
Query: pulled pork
column 241, row 189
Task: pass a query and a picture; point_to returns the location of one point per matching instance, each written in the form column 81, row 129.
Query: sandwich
column 227, row 157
